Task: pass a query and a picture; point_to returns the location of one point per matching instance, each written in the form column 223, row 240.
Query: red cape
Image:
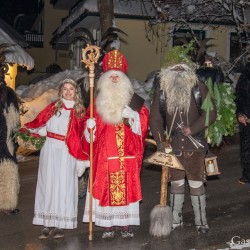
column 74, row 133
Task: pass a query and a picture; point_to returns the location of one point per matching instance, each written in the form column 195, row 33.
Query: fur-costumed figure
column 9, row 120
column 174, row 111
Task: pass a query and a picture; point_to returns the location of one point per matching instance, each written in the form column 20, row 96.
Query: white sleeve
column 41, row 131
column 135, row 123
column 81, row 167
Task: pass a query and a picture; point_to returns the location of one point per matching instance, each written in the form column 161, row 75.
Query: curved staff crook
column 90, row 56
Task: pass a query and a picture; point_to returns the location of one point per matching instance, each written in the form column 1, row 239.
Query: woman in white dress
column 62, row 161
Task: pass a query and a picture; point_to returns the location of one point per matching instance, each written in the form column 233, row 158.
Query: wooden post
column 164, row 186
column 90, row 56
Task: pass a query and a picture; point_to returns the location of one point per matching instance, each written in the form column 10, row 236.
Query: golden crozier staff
column 90, row 57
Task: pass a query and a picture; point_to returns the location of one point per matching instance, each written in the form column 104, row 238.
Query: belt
column 56, row 136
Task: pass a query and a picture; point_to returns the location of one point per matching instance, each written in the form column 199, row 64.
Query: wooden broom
column 161, row 217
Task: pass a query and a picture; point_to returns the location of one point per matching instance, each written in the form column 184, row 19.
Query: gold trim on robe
column 117, row 179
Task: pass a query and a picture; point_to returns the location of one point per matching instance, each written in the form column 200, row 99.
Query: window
column 184, row 36
column 238, row 43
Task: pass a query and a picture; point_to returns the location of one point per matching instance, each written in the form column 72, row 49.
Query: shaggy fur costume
column 9, row 120
column 9, row 184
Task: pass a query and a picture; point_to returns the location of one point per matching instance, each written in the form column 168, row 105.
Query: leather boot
column 199, row 207
column 176, row 202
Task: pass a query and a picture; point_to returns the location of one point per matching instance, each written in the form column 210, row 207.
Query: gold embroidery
column 117, row 179
column 115, row 60
column 117, row 189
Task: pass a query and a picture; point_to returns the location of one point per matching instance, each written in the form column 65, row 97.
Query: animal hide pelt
column 9, row 177
column 9, row 119
column 12, row 121
column 9, row 184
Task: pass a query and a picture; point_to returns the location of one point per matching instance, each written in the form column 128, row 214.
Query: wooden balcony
column 34, row 39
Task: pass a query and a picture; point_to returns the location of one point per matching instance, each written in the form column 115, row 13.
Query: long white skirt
column 112, row 215
column 56, row 200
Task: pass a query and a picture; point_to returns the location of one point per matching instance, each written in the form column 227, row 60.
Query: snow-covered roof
column 17, row 37
column 134, row 8
column 18, row 55
column 15, row 53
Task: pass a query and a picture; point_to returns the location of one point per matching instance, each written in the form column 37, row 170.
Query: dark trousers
column 245, row 151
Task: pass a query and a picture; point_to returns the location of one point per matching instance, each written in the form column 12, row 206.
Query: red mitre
column 115, row 60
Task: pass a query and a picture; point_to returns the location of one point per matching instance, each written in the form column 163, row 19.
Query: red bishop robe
column 74, row 133
column 117, row 161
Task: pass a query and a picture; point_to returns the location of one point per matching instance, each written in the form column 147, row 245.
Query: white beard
column 178, row 87
column 113, row 97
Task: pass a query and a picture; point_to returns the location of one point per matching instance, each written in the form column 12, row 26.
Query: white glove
column 87, row 134
column 91, row 123
column 81, row 167
column 168, row 150
column 128, row 112
column 42, row 131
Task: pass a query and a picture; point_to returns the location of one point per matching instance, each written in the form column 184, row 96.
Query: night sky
column 9, row 9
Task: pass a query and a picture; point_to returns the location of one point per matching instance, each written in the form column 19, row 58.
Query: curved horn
column 112, row 30
column 108, row 39
column 82, row 33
